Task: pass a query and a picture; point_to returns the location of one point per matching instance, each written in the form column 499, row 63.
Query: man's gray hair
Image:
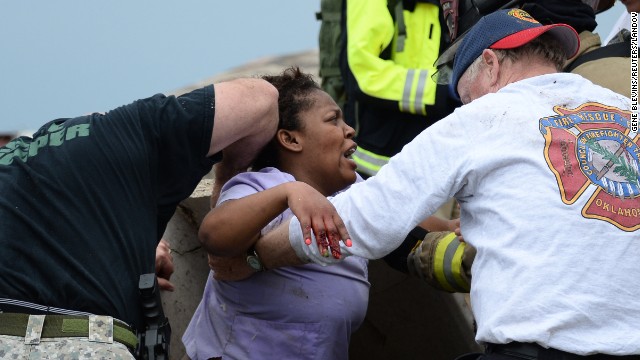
column 545, row 46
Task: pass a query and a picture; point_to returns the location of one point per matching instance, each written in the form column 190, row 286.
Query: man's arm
column 246, row 118
column 275, row 249
column 233, row 226
column 164, row 265
column 317, row 229
column 381, row 211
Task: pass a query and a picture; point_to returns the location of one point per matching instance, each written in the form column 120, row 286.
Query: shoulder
column 262, row 179
column 588, row 41
column 250, row 182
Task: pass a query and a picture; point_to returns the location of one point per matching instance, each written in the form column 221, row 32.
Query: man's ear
column 290, row 140
column 490, row 59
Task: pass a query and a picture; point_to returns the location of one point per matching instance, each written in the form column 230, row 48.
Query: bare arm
column 275, row 249
column 222, row 235
column 317, row 214
column 164, row 265
column 233, row 226
column 434, row 223
column 246, row 118
column 246, row 115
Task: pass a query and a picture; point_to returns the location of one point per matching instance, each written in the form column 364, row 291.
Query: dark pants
column 526, row 351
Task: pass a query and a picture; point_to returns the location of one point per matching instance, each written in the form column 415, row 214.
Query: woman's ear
column 289, row 139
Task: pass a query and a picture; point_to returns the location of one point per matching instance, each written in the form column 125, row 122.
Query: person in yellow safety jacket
column 387, row 65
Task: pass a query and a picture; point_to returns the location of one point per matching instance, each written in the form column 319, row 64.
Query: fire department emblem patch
column 592, row 152
column 522, row 15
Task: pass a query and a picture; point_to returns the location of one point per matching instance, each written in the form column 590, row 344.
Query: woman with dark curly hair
column 302, row 312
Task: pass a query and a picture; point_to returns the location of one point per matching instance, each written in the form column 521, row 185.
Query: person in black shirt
column 86, row 200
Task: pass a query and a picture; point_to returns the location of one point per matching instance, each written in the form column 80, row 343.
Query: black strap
column 621, row 49
column 391, row 6
column 530, row 351
column 25, row 307
column 397, row 259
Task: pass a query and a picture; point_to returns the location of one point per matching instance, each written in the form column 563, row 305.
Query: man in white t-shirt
column 545, row 166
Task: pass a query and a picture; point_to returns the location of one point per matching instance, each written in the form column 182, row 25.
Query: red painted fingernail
column 307, row 241
column 348, row 243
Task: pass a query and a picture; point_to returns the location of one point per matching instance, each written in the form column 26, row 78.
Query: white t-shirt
column 550, row 200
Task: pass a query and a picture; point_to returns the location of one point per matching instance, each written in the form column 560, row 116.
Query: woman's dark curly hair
column 294, row 88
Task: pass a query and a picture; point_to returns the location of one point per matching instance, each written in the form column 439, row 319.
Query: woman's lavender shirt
column 302, row 312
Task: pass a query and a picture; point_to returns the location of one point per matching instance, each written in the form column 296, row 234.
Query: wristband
column 253, row 260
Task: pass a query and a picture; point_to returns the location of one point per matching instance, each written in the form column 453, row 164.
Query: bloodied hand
column 316, row 214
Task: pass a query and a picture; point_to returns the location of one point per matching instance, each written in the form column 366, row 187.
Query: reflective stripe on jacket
column 405, row 78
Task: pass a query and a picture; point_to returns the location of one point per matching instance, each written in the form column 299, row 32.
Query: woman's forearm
column 233, row 226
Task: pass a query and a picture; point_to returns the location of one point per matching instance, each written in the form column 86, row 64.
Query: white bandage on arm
column 310, row 253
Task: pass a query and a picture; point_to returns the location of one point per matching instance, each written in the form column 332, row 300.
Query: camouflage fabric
column 101, row 329
column 67, row 348
column 34, row 329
